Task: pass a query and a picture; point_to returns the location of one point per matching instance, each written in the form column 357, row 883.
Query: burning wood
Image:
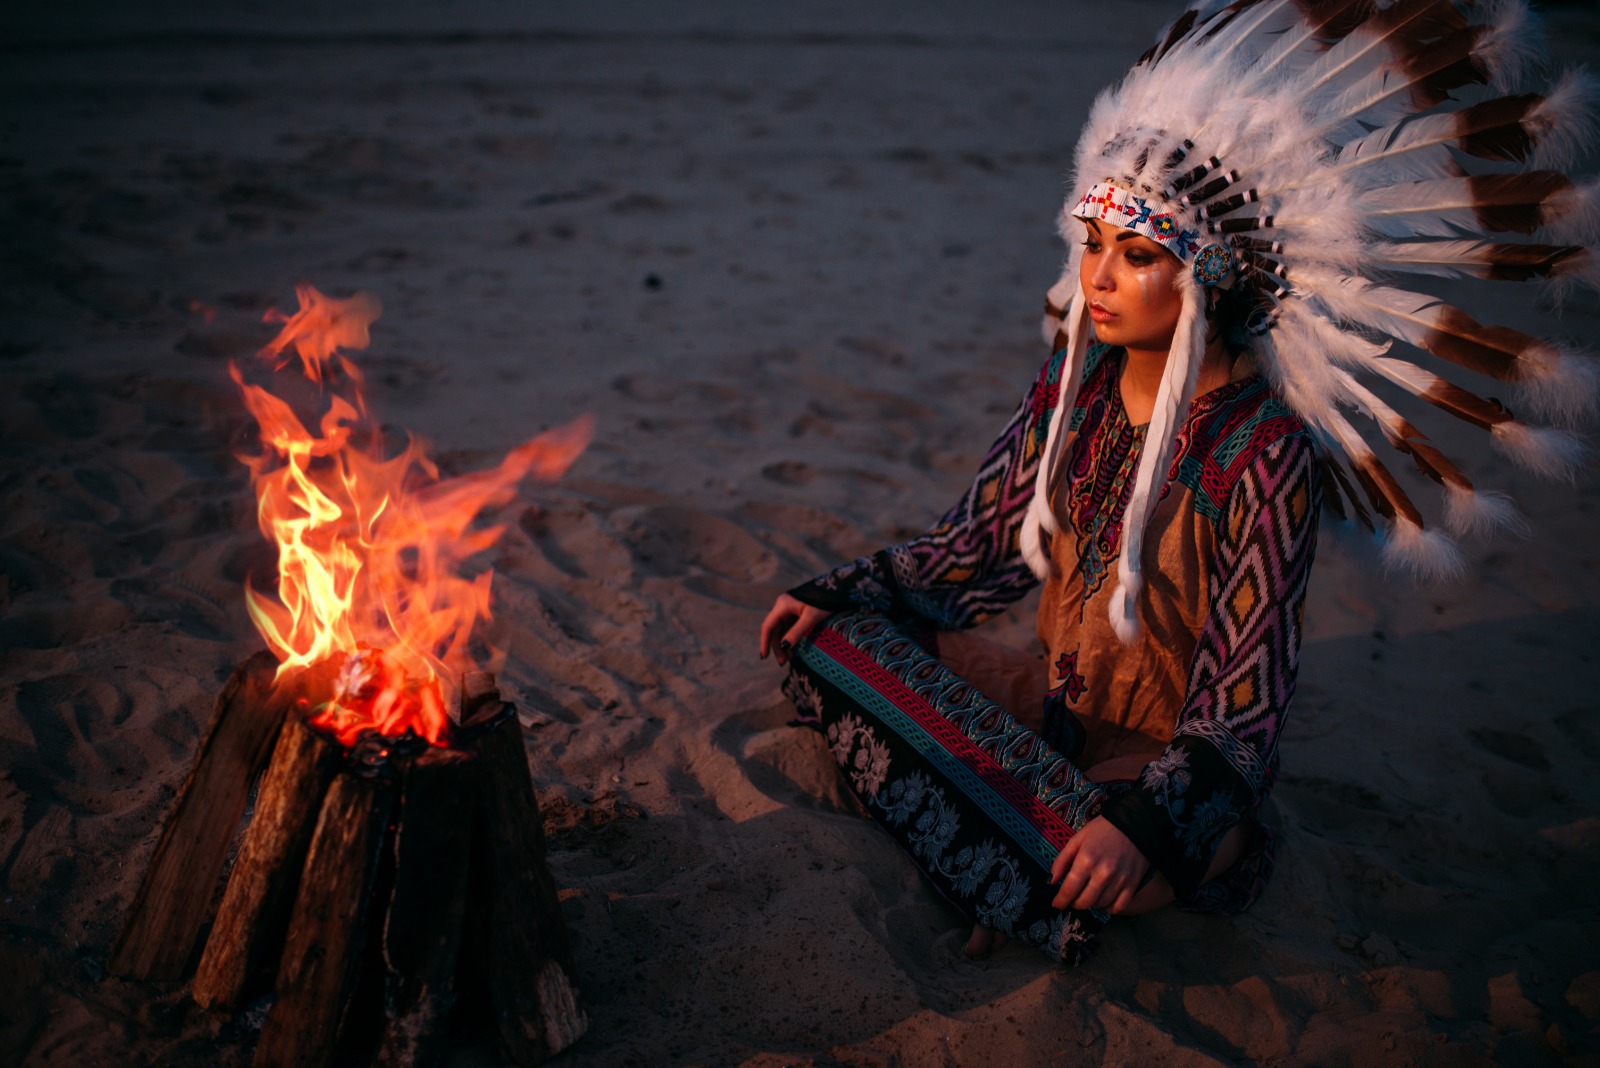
column 395, row 860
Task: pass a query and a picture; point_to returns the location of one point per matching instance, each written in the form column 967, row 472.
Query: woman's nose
column 1100, row 274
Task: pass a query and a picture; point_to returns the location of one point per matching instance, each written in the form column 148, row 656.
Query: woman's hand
column 787, row 623
column 1100, row 868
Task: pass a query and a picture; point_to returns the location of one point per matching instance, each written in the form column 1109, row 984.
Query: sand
column 791, row 259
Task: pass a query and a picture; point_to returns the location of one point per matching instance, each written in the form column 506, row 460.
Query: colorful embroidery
column 1128, row 210
column 1072, row 683
column 980, row 802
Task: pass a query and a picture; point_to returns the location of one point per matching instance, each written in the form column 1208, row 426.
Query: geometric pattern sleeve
column 1223, row 756
column 968, row 566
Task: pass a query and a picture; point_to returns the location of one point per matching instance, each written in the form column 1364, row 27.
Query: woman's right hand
column 787, row 622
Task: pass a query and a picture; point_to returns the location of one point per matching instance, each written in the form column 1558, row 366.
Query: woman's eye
column 1092, row 246
column 1139, row 259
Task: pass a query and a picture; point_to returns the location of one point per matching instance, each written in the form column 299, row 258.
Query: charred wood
column 254, row 915
column 174, row 900
column 537, row 1007
column 421, row 933
column 322, row 959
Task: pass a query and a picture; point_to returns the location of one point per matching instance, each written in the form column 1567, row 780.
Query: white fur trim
column 1125, row 609
column 1031, row 541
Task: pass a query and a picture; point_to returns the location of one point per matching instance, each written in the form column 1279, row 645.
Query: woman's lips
column 1100, row 315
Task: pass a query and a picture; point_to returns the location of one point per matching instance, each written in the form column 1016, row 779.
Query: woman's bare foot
column 984, row 941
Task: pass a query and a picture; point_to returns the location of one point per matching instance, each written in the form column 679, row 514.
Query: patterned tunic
column 1204, row 690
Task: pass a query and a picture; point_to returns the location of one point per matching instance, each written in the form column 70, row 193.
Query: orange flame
column 372, row 552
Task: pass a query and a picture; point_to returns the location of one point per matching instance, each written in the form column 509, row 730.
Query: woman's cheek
column 1147, row 289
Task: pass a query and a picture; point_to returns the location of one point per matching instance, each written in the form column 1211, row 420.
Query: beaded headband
column 1127, row 210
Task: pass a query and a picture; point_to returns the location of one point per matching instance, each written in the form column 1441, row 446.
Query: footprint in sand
column 790, row 765
column 574, row 539
column 668, row 541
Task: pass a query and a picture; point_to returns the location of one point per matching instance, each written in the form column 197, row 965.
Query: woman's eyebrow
column 1128, row 235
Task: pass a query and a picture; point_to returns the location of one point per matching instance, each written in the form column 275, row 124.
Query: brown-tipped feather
column 1484, row 412
column 1344, row 491
column 1179, row 29
column 1495, row 129
column 1437, row 67
column 1333, row 20
column 1519, row 263
column 1429, row 460
column 1489, row 350
column 1384, row 493
column 1407, row 439
column 1499, row 261
column 1514, row 203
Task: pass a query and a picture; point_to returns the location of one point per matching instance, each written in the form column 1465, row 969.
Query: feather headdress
column 1332, row 156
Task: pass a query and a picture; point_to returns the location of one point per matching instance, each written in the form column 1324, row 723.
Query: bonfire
column 391, row 883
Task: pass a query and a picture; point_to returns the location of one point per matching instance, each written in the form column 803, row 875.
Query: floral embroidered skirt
column 979, row 802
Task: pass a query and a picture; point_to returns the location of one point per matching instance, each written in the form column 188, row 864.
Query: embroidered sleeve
column 968, row 566
column 1224, row 751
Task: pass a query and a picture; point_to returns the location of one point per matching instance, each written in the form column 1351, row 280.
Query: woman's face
column 1128, row 280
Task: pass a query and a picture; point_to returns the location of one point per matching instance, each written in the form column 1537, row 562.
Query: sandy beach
column 792, row 260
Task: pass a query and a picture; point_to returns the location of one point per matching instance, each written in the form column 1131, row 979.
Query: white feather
column 1473, row 259
column 1513, row 44
column 1559, row 383
column 1382, row 95
column 1472, row 512
column 1396, row 312
column 1574, row 214
column 1406, row 375
column 1244, row 32
column 1364, row 51
column 1545, row 451
column 1424, row 555
column 1581, row 271
column 1447, row 207
column 1297, row 46
column 1566, row 121
column 1412, row 149
column 1369, row 402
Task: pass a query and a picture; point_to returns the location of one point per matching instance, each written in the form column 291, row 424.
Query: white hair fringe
column 1041, row 518
column 1160, row 438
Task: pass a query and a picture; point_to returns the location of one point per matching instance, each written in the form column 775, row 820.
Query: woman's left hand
column 1100, row 868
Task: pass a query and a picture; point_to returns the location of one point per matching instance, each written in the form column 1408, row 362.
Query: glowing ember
column 371, row 551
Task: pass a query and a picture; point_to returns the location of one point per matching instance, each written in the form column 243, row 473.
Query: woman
column 1255, row 195
column 1111, row 707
